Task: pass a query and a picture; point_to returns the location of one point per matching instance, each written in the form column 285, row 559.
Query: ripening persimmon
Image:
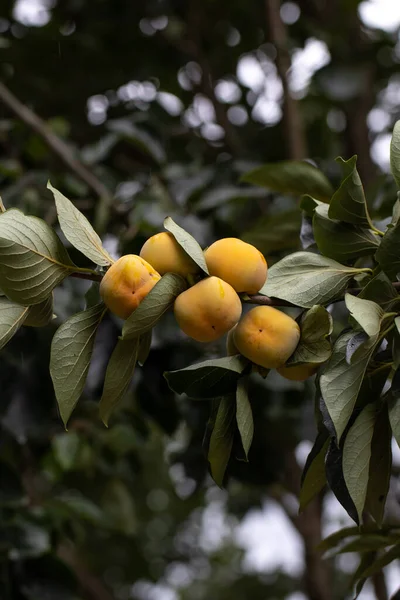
column 207, row 310
column 164, row 253
column 267, row 336
column 298, row 372
column 238, row 263
column 126, row 283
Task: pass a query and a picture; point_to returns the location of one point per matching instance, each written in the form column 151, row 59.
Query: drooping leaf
column 335, row 478
column 208, row 379
column 187, row 242
column 357, row 454
column 71, row 351
column 32, row 258
column 244, row 415
column 118, row 376
column 291, row 177
column 340, row 382
column 78, row 230
column 313, row 347
column 144, row 346
column 388, row 254
column 154, row 305
column 395, row 153
column 348, row 204
column 221, row 439
column 314, row 476
column 12, row 316
column 342, row 241
column 41, row 314
column 305, row 279
column 380, row 466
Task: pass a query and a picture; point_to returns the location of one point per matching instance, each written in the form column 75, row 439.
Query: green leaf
column 314, row 476
column 313, row 347
column 291, row 177
column 381, row 290
column 32, row 258
column 305, row 279
column 366, row 543
column 153, row 306
column 244, row 416
column 348, row 204
column 187, row 242
column 339, row 240
column 12, row 316
column 41, row 314
column 388, row 254
column 275, row 232
column 395, row 153
column 221, row 440
column 71, row 351
column 78, row 230
column 118, row 376
column 357, row 454
column 144, row 346
column 336, row 481
column 367, row 559
column 208, row 379
column 340, row 382
column 308, row 204
column 219, row 196
column 367, row 314
column 381, row 562
column 338, row 536
column 380, row 466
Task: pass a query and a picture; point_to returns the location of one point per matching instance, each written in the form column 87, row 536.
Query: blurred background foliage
column 161, row 106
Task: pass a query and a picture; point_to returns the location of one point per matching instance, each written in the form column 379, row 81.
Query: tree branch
column 59, row 147
column 292, row 123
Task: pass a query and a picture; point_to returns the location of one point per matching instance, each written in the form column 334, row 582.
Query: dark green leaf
column 275, row 232
column 244, row 415
column 380, row 290
column 305, row 279
column 314, row 476
column 341, row 241
column 381, row 562
column 366, row 543
column 209, row 379
column 144, row 346
column 357, row 454
column 71, row 351
column 118, row 376
column 12, row 316
column 395, row 153
column 41, row 314
column 291, row 177
column 78, row 230
column 187, row 242
column 380, row 466
column 348, row 204
column 32, row 258
column 222, row 439
column 388, row 254
column 154, row 305
column 221, row 195
column 335, row 478
column 308, row 204
column 335, row 538
column 313, row 347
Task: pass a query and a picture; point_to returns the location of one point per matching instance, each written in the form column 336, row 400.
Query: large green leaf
column 154, row 305
column 78, row 230
column 187, row 242
column 275, row 232
column 381, row 290
column 291, row 177
column 118, row 376
column 340, row 382
column 41, row 314
column 221, row 439
column 395, row 153
column 380, row 466
column 357, row 454
column 314, row 345
column 341, row 241
column 71, row 351
column 388, row 254
column 208, row 379
column 12, row 316
column 348, row 204
column 367, row 314
column 32, row 258
column 314, row 477
column 244, row 415
column 305, row 279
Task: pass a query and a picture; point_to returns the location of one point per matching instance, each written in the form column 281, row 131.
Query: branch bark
column 292, row 122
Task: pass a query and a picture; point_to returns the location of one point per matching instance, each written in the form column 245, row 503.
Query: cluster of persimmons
column 210, row 307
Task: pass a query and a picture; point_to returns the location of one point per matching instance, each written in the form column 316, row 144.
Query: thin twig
column 58, row 146
column 88, row 276
column 294, row 131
